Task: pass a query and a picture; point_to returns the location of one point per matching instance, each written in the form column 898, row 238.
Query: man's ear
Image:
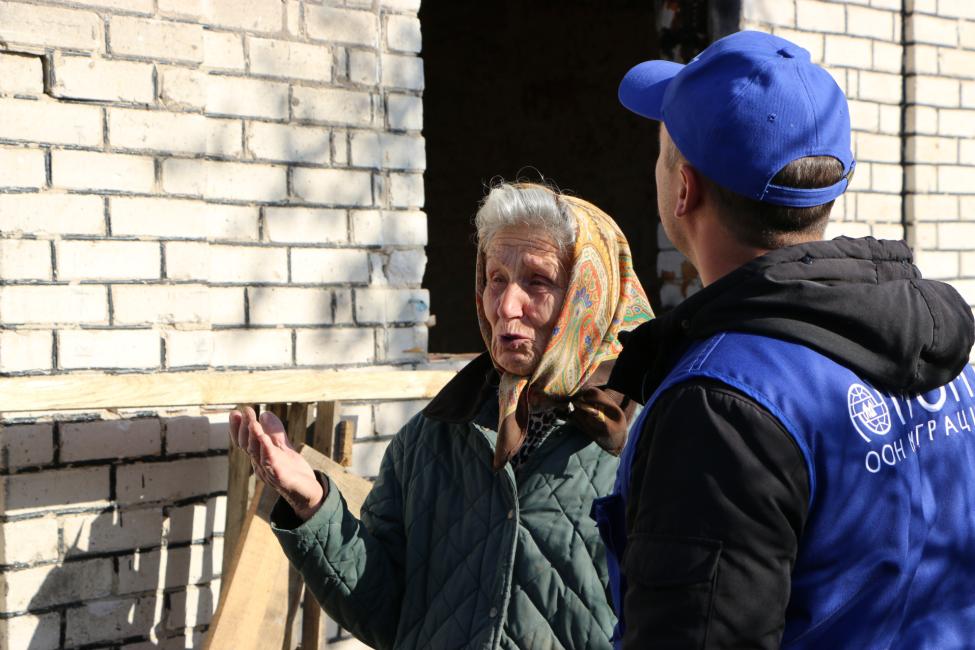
column 691, row 191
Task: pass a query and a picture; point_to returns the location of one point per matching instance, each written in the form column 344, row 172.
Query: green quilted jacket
column 450, row 554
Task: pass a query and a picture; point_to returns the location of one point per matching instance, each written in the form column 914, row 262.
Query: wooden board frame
column 86, row 391
column 259, row 594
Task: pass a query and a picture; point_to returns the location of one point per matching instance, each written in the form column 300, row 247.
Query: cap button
column 785, row 53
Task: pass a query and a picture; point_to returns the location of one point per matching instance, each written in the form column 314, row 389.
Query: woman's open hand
column 275, row 461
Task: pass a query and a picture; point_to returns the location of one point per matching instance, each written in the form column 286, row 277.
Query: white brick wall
column 100, row 260
column 223, row 51
column 280, row 142
column 189, row 190
column 112, row 531
column 340, row 187
column 149, row 482
column 47, row 122
column 108, row 439
column 81, row 77
column 335, row 346
column 342, row 25
column 21, row 167
column 30, row 24
column 41, row 632
column 115, row 349
column 43, row 214
column 938, row 140
column 26, row 351
column 276, row 58
column 182, row 219
column 392, row 306
column 306, row 225
column 53, row 304
column 26, row 445
column 25, row 259
column 225, row 180
column 248, row 97
column 156, row 304
column 339, row 266
column 270, row 306
column 157, row 39
column 332, row 105
column 87, row 487
column 88, row 170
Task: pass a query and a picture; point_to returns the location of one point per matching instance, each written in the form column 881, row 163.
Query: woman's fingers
column 243, row 433
column 252, row 446
column 273, row 426
column 266, row 460
column 234, row 419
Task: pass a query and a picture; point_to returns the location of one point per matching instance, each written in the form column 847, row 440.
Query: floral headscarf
column 603, row 297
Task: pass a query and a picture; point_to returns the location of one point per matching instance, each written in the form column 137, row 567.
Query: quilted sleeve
column 354, row 568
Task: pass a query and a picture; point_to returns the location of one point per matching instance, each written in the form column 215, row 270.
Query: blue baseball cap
column 743, row 109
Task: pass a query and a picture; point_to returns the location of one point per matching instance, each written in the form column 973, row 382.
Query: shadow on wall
column 162, row 592
column 144, row 569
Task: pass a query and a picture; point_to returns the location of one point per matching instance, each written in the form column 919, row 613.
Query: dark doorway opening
column 517, row 88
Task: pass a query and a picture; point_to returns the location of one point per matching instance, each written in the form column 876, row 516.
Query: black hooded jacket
column 714, row 470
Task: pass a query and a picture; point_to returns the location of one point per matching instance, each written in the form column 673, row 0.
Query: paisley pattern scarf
column 603, row 297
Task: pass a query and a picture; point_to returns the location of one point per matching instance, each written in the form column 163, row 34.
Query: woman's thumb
column 268, row 451
column 274, row 428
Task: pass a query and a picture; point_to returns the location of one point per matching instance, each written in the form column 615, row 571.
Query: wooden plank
column 325, row 421
column 312, row 637
column 254, row 607
column 280, row 409
column 297, row 423
column 254, row 603
column 102, row 391
column 342, row 449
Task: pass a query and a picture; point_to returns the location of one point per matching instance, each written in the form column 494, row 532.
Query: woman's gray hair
column 525, row 204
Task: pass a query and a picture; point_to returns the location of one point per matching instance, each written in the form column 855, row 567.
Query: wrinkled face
column 525, row 285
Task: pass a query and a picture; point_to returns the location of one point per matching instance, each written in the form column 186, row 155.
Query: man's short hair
column 768, row 226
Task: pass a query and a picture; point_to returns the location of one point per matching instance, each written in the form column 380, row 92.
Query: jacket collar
column 461, row 400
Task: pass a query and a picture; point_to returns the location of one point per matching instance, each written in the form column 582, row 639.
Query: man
column 803, row 472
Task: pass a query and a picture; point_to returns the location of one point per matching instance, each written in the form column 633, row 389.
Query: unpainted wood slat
column 342, row 447
column 297, row 423
column 253, row 611
column 324, row 432
column 103, row 391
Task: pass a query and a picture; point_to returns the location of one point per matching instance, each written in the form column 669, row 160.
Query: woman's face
column 525, row 285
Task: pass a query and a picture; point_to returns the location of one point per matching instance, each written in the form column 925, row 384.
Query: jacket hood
column 861, row 302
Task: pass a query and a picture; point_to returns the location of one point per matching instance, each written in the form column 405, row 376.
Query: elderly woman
column 477, row 531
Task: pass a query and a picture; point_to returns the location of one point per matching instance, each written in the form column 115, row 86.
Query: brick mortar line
column 111, row 555
column 135, row 595
column 207, row 157
column 96, row 510
column 97, row 11
column 151, row 459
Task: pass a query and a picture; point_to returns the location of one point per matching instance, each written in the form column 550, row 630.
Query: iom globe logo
column 868, row 411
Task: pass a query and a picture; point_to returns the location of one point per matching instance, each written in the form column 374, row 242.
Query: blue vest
column 887, row 557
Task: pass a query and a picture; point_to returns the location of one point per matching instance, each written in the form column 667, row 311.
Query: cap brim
column 642, row 89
